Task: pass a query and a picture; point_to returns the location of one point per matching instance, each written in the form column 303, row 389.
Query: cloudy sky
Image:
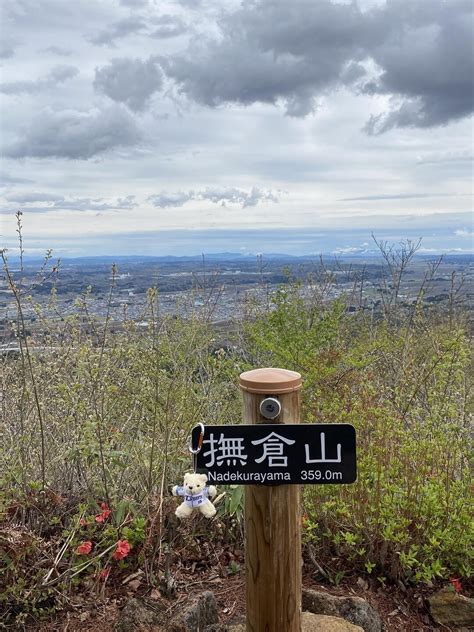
column 176, row 127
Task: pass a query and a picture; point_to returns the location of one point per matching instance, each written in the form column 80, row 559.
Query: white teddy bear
column 196, row 496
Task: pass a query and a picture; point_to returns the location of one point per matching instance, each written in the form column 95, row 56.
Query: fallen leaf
column 132, row 576
column 362, row 583
column 134, row 584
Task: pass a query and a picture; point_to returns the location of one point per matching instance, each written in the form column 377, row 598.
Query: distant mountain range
column 227, row 256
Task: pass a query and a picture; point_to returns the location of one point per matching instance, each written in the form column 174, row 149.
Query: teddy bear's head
column 194, row 483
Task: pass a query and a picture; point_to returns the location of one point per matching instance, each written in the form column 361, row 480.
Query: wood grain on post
column 272, row 517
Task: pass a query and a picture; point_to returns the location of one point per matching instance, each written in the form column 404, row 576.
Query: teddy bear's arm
column 178, row 491
column 211, row 491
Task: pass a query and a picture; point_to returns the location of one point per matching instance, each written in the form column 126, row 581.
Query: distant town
column 222, row 284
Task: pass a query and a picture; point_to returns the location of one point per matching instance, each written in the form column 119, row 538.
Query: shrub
column 404, row 386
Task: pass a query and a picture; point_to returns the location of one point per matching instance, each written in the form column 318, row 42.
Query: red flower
column 84, row 548
column 104, row 573
column 102, row 517
column 83, row 522
column 456, row 584
column 122, row 550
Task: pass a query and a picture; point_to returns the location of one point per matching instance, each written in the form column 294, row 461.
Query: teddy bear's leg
column 208, row 509
column 183, row 511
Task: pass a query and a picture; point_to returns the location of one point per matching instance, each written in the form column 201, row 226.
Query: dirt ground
column 401, row 610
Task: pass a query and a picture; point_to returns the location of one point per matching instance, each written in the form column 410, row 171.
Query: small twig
column 314, row 561
column 78, row 569
column 61, row 552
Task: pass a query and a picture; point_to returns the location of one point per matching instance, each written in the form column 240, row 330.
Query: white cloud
column 222, row 196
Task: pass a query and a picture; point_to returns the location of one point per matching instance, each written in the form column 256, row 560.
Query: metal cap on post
column 272, row 515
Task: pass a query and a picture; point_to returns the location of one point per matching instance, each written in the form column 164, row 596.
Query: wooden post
column 272, row 517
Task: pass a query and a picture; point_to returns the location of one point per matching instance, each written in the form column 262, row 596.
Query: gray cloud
column 57, row 75
column 176, row 199
column 118, row 30
column 446, row 157
column 26, row 198
column 273, row 51
column 57, row 50
column 190, row 4
column 222, row 196
column 75, row 134
column 134, row 3
column 6, row 179
column 45, row 202
column 6, row 51
column 97, row 204
column 168, row 26
column 426, row 61
column 395, row 196
column 129, row 81
column 8, row 44
column 294, row 52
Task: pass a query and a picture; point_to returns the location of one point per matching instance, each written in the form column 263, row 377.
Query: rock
column 309, row 623
column 200, row 612
column 136, row 616
column 451, row 609
column 324, row 623
column 354, row 609
column 146, row 616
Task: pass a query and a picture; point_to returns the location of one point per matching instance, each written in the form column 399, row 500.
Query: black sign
column 273, row 454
